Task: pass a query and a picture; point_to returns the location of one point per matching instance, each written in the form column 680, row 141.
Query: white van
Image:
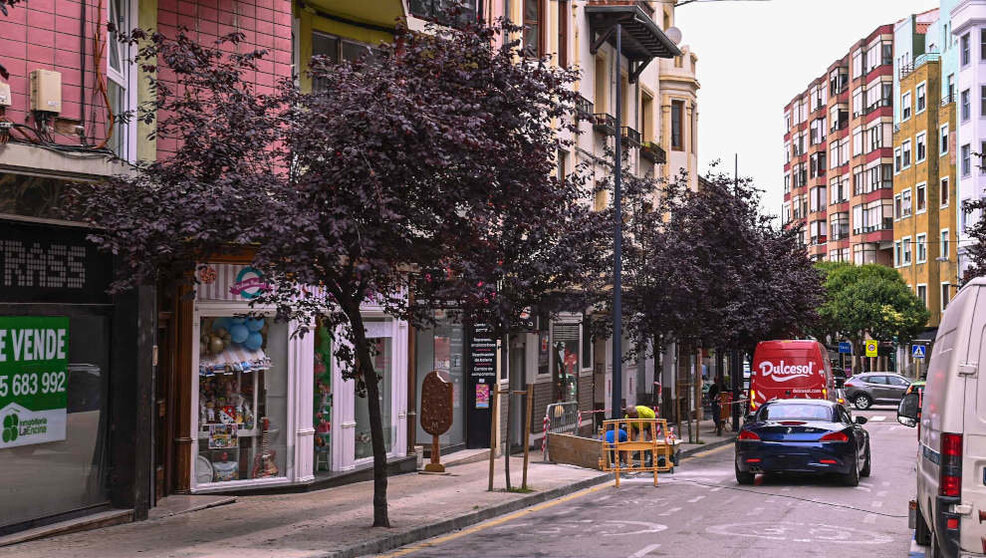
column 950, row 507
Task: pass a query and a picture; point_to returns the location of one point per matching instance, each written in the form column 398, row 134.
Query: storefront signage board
column 51, row 264
column 482, row 378
column 33, row 379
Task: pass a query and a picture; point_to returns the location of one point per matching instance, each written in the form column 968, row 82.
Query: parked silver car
column 863, row 390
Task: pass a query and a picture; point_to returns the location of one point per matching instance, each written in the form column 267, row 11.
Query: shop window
column 49, row 469
column 242, row 400
column 441, row 348
column 565, row 357
column 382, row 354
column 322, row 410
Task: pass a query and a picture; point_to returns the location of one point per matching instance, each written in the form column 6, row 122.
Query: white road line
column 695, row 499
column 645, row 551
column 878, row 504
column 885, row 483
column 878, row 418
column 671, row 511
column 870, row 518
column 881, row 494
column 863, row 488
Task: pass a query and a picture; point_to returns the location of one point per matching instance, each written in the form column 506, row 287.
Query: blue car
column 803, row 436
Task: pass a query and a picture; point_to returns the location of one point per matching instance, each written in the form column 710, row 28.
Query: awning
column 236, row 358
column 641, row 38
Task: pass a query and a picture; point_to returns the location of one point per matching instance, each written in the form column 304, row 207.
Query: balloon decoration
column 238, row 333
column 225, row 332
column 254, row 341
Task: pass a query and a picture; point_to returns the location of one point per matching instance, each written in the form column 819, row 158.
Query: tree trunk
column 365, row 363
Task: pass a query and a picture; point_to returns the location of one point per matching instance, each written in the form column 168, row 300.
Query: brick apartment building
column 838, row 170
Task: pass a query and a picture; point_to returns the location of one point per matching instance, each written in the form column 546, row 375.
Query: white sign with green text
column 33, row 379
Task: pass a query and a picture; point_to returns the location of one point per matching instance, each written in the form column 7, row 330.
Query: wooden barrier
column 645, row 438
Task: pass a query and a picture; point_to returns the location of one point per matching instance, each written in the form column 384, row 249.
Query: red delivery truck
column 788, row 369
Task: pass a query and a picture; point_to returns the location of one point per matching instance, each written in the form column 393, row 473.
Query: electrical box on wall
column 4, row 94
column 46, row 90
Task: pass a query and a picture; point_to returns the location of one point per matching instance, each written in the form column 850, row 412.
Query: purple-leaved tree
column 422, row 174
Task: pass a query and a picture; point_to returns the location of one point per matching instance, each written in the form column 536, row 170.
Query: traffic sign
column 871, row 348
column 917, row 351
column 845, row 347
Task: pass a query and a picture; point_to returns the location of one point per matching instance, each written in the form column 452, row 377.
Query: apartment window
column 966, row 160
column 980, row 155
column 923, row 294
column 533, row 41
column 888, row 176
column 950, row 88
column 839, row 226
column 876, row 137
column 905, row 103
column 839, row 190
column 857, row 64
column 787, row 183
column 982, row 45
column 906, row 147
column 898, row 254
column 922, row 246
column 943, row 141
column 564, row 14
column 964, row 49
column 946, row 292
column 897, row 159
column 905, row 206
column 921, row 147
column 943, row 195
column 920, row 94
column 677, row 112
column 906, row 245
column 647, row 108
column 943, row 244
column 921, row 193
column 857, row 219
column 898, row 207
column 964, row 104
column 857, row 142
column 121, row 85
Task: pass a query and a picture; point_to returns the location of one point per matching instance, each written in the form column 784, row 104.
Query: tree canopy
column 868, row 300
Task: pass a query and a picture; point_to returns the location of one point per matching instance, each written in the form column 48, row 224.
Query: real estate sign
column 33, row 379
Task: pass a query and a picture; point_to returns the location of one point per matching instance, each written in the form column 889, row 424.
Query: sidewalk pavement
column 334, row 522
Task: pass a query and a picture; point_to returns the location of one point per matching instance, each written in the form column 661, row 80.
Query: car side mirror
column 861, row 420
column 907, row 410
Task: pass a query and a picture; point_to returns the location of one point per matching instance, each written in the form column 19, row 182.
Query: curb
column 457, row 523
column 705, row 447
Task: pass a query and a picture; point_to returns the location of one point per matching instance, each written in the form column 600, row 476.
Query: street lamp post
column 617, row 402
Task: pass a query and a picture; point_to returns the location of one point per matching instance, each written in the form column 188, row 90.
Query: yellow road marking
column 709, row 452
column 493, row 522
column 521, row 513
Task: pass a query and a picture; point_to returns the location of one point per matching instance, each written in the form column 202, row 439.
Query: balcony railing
column 878, row 105
column 653, row 152
column 630, row 136
column 583, row 108
column 842, row 124
column 604, row 123
column 462, row 11
column 947, row 99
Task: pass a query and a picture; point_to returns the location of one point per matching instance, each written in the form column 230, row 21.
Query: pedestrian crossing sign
column 918, row 351
column 872, row 348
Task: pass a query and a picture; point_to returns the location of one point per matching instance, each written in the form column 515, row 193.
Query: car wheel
column 922, row 535
column 743, row 478
column 862, row 402
column 865, row 472
column 852, row 477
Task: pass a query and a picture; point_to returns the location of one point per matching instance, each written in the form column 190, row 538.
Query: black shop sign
column 45, row 263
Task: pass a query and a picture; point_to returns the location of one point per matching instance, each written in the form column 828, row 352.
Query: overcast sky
column 754, row 57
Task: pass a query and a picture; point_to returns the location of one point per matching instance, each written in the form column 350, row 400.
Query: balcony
column 583, row 108
column 653, row 152
column 641, row 39
column 630, row 136
column 878, row 105
column 604, row 123
column 948, row 99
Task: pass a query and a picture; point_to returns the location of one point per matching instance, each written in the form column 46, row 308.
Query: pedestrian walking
column 716, row 407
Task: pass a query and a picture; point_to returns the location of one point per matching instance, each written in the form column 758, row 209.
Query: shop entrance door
column 164, row 374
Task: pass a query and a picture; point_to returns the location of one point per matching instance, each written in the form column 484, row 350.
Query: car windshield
column 794, row 411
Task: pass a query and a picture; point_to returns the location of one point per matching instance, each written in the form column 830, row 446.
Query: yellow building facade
column 925, row 186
